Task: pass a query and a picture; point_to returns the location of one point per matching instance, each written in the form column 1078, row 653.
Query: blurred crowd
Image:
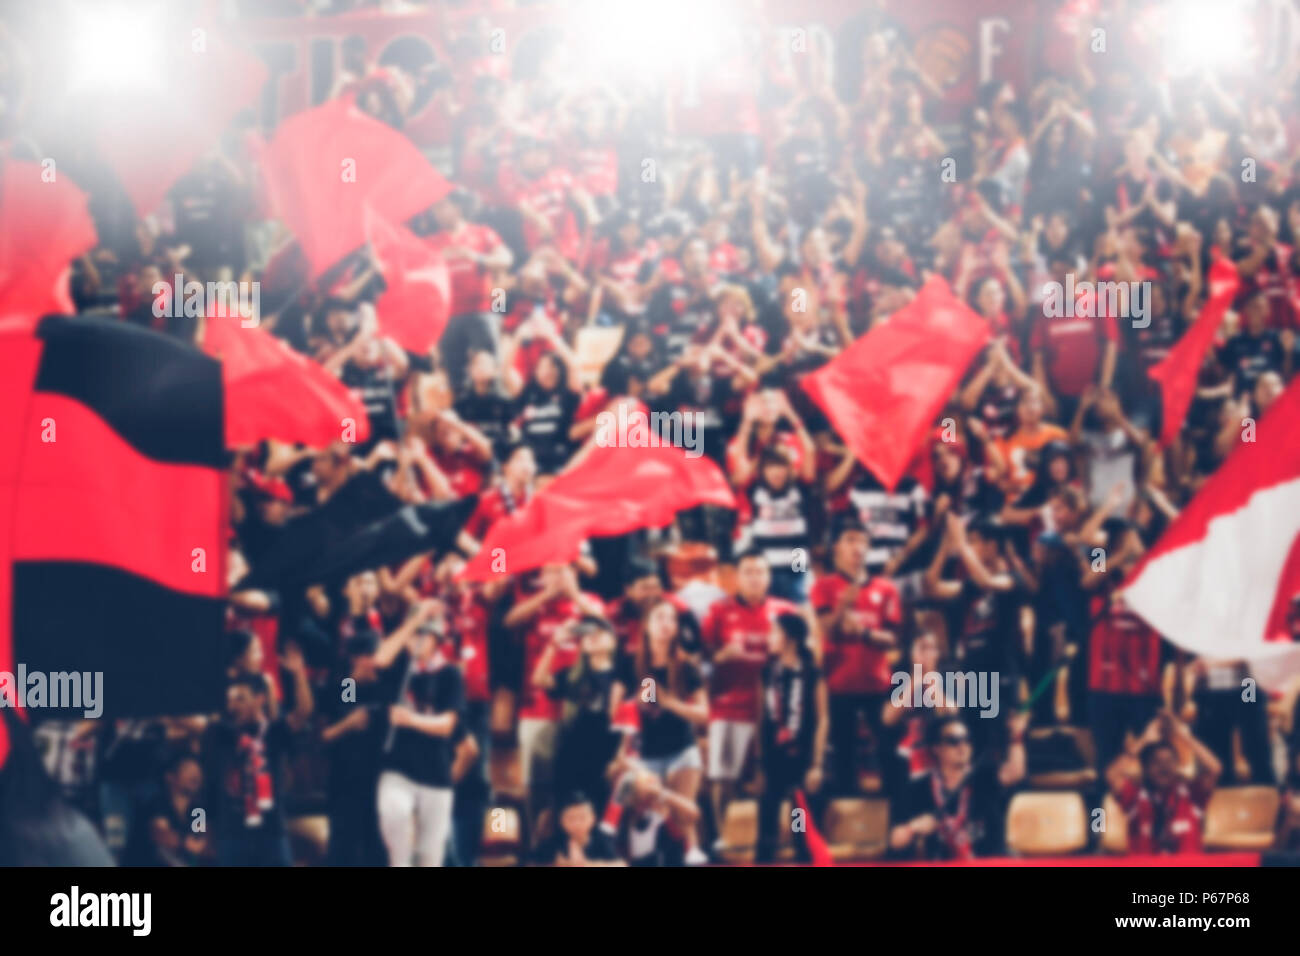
column 611, row 248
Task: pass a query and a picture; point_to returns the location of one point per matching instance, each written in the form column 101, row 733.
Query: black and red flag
column 112, row 512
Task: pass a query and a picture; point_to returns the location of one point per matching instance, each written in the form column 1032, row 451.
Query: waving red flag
column 43, row 227
column 1220, row 581
column 414, row 309
column 151, row 138
column 882, row 393
column 1177, row 372
column 327, row 166
column 612, row 491
column 273, row 392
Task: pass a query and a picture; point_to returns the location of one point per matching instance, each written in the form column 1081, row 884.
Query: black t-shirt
column 544, row 419
column 977, row 808
column 789, row 712
column 490, row 413
column 585, row 719
column 1250, row 356
column 990, row 628
column 426, row 758
column 244, row 770
column 377, row 391
column 663, row 733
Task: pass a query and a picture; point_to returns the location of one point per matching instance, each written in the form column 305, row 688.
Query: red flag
column 151, row 138
column 1178, row 371
column 612, row 491
column 882, row 393
column 414, row 309
column 1220, row 579
column 327, row 166
column 43, row 227
column 273, row 392
column 821, row 853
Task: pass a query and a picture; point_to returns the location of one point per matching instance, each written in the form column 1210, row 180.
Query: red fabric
column 43, row 227
column 612, row 491
column 817, row 848
column 1178, row 371
column 65, row 484
column 273, row 392
column 20, row 359
column 305, row 167
column 883, row 392
column 471, row 285
column 414, row 309
column 1270, row 460
column 151, row 139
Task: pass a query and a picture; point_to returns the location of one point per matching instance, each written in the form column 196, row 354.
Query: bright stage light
column 114, row 48
column 1206, row 35
column 651, row 40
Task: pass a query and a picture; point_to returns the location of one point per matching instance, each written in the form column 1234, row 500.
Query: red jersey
column 733, row 686
column 1073, row 346
column 548, row 195
column 471, row 286
column 854, row 665
column 1123, row 652
column 464, row 469
column 596, row 169
column 1169, row 824
column 493, row 505
column 535, row 703
column 468, row 622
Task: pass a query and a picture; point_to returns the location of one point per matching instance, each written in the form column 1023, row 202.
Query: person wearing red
column 545, row 195
column 473, row 253
column 735, row 637
column 1164, row 810
column 556, row 604
column 1125, row 664
column 508, row 495
column 859, row 615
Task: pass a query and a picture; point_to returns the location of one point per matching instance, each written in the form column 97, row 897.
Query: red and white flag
column 1220, row 580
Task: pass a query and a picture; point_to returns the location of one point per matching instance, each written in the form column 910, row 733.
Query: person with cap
column 589, row 692
column 793, row 729
column 415, row 782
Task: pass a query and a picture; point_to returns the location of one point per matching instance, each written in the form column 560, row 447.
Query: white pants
column 537, row 739
column 415, row 820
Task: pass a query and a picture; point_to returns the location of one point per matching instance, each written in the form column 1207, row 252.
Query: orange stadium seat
column 1046, row 824
column 1241, row 818
column 857, row 828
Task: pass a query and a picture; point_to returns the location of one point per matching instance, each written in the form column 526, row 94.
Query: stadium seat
column 1046, row 824
column 740, row 831
column 502, row 839
column 1114, row 839
column 1062, row 740
column 309, row 839
column 856, row 828
column 1241, row 818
